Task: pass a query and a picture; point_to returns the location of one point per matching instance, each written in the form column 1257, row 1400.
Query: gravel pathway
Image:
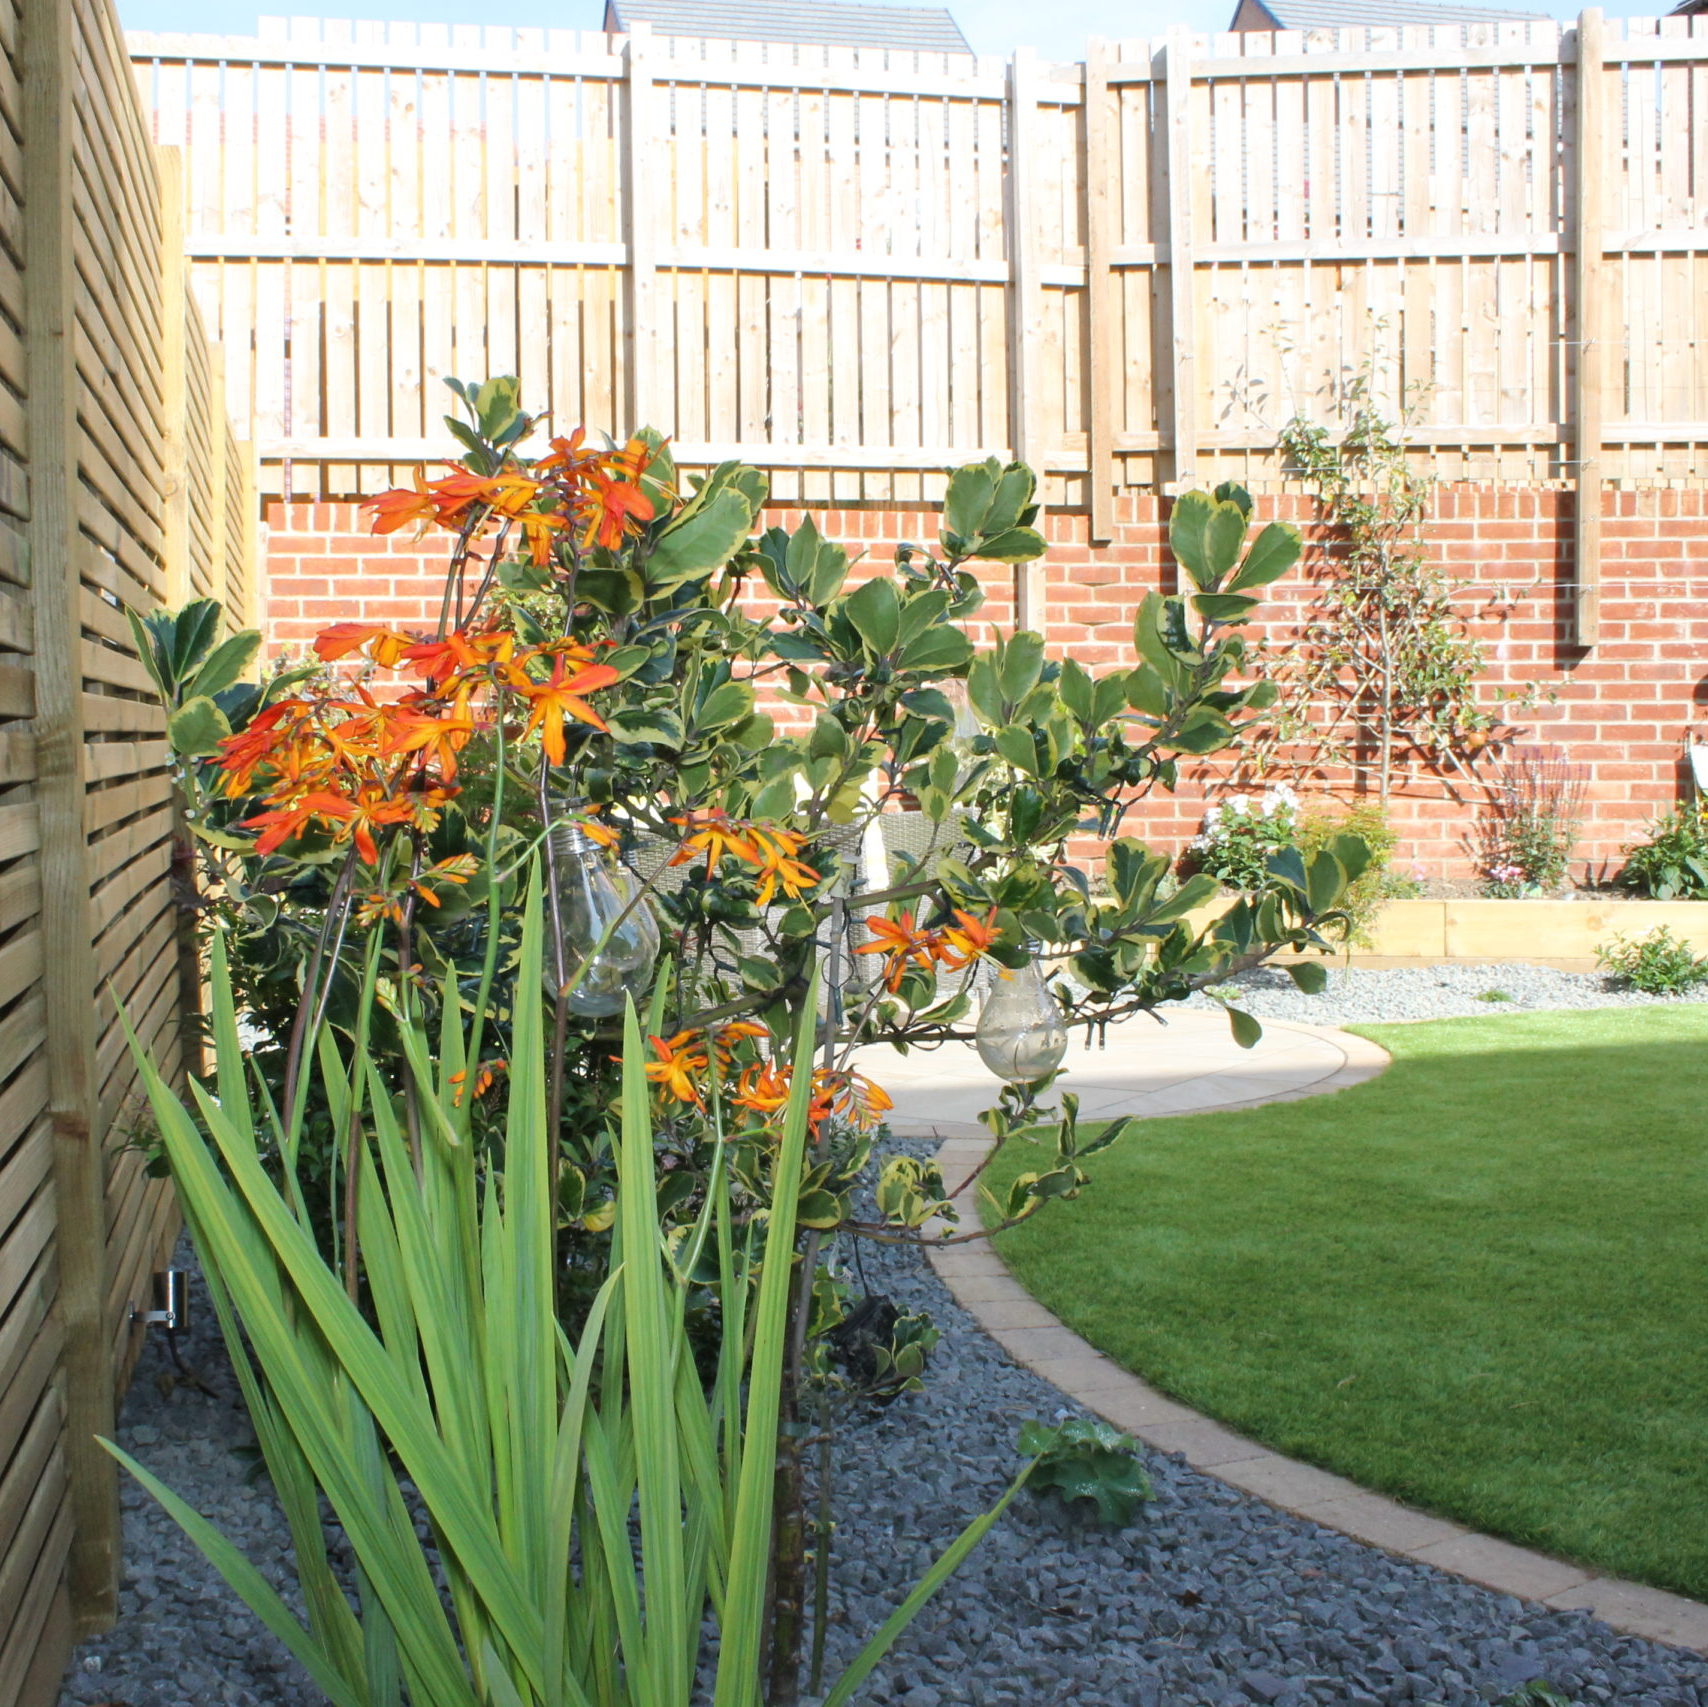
column 1360, row 996
column 1212, row 1599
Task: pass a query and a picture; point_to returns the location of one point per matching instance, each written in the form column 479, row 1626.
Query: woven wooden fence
column 120, row 484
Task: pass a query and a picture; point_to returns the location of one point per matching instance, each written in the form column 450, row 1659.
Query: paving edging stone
column 982, row 1283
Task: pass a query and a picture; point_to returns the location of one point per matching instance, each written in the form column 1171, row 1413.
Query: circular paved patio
column 1186, row 1065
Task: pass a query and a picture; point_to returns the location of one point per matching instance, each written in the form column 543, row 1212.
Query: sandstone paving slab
column 1385, row 1523
column 1289, row 1484
column 1204, row 1444
column 1643, row 1611
column 1499, row 1564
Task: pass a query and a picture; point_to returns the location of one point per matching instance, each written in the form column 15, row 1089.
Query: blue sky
column 1057, row 30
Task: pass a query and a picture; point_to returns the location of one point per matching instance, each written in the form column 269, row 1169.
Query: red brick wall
column 1620, row 710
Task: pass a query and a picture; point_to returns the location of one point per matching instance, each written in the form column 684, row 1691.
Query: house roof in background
column 1377, row 14
column 919, row 29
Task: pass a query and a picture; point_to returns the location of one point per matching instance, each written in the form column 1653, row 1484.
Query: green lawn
column 1478, row 1283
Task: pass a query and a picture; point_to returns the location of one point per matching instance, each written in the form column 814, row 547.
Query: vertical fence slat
column 1098, row 173
column 1182, row 262
column 69, row 970
column 1588, row 292
column 639, row 138
column 1024, row 305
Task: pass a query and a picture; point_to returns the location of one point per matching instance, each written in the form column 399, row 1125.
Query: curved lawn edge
column 981, row 1282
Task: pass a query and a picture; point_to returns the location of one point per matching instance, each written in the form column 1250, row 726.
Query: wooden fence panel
column 857, row 268
column 126, row 298
column 34, row 1512
column 114, row 458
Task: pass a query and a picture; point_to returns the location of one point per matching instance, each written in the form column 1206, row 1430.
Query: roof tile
column 922, row 29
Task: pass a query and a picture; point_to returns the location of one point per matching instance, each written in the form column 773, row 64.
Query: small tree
column 1383, row 670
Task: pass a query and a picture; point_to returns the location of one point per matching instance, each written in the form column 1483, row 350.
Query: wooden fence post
column 1023, row 294
column 174, row 381
column 219, row 496
column 1588, row 297
column 1182, row 297
column 1099, row 297
column 249, row 490
column 68, row 969
column 642, row 334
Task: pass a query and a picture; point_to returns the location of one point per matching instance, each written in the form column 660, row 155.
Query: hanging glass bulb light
column 1020, row 1034
column 616, row 941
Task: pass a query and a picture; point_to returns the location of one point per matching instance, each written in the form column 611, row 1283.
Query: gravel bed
column 182, row 1637
column 1366, row 996
column 1211, row 1599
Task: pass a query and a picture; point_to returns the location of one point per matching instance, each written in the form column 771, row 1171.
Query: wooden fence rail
column 120, row 484
column 857, row 267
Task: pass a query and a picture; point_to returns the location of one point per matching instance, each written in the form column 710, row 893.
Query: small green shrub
column 1533, row 823
column 1239, row 834
column 1672, row 865
column 1659, row 964
column 1402, row 885
column 1493, row 996
column 1320, row 822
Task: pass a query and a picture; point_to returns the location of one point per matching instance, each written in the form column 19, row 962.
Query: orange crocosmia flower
column 488, row 1071
column 402, row 505
column 902, row 946
column 599, row 832
column 385, row 645
column 762, row 1089
column 851, row 1096
column 359, row 737
column 539, row 529
column 568, row 456
column 374, row 810
column 515, row 497
column 457, row 494
column 560, row 696
column 779, row 864
column 459, row 868
column 609, row 510
column 969, row 938
column 380, row 906
column 308, row 761
column 421, row 805
column 270, row 733
column 712, row 832
column 459, row 651
column 439, row 738
column 681, row 1061
column 286, row 822
column 730, row 1035
column 512, row 492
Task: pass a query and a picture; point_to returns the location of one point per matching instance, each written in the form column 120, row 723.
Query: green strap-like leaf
column 248, row 1585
